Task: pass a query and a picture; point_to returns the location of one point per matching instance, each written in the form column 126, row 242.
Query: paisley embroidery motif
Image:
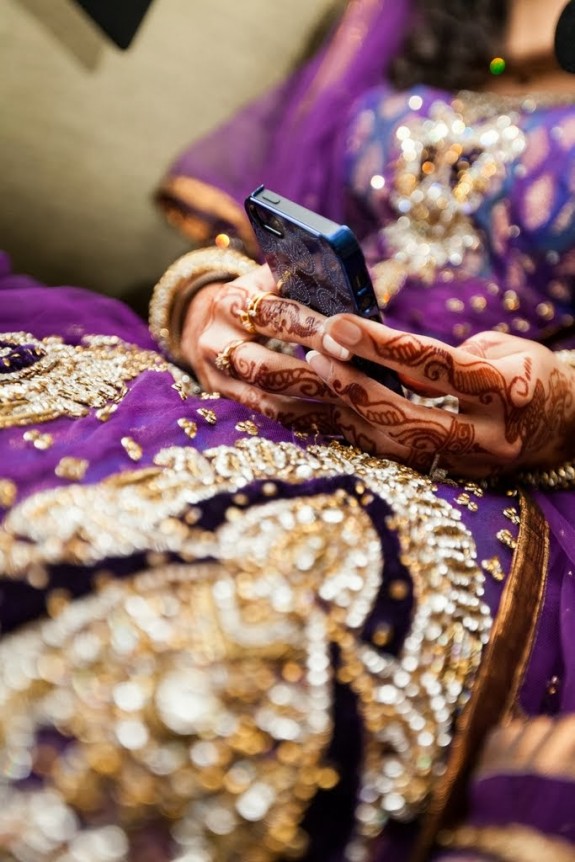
column 62, row 380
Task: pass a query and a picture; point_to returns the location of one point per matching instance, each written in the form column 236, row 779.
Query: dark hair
column 451, row 44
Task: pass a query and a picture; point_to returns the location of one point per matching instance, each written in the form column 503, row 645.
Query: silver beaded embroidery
column 289, row 577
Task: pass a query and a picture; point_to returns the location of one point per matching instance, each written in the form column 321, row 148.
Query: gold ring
column 249, row 314
column 223, row 360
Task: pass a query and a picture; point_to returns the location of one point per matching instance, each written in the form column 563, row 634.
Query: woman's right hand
column 279, row 385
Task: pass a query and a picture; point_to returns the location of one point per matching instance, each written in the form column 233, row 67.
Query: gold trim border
column 496, row 688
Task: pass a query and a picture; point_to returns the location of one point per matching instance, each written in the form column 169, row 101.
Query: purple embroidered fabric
column 222, row 639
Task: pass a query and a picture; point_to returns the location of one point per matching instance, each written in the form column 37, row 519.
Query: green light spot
column 497, row 66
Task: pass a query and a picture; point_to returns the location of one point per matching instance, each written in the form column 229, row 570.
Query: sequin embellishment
column 213, row 708
column 446, row 168
column 68, row 381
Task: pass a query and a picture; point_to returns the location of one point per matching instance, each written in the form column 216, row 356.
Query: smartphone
column 316, row 262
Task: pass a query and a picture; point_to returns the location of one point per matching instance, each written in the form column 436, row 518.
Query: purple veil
column 291, row 138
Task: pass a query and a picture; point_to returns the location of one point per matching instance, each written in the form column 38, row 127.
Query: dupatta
column 291, row 137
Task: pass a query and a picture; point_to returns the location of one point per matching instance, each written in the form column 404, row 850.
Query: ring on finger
column 436, row 473
column 224, row 359
column 250, row 312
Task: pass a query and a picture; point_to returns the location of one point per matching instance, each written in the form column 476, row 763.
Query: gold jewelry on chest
column 448, row 164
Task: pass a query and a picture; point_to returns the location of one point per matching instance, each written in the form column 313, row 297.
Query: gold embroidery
column 494, row 567
column 465, row 500
column 209, row 415
column 475, row 489
column 38, row 440
column 309, row 551
column 132, row 449
column 248, row 427
column 72, row 468
column 105, row 413
column 188, row 426
column 507, row 538
column 448, row 163
column 8, row 492
column 69, row 381
column 512, row 514
column 494, row 696
column 193, row 206
column 193, row 710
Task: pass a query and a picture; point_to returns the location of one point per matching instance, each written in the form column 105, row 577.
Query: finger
column 286, row 319
column 543, row 745
column 423, row 432
column 311, row 417
column 365, row 436
column 528, row 742
column 259, row 280
column 496, row 755
column 556, row 751
column 428, row 362
column 277, row 372
column 418, row 388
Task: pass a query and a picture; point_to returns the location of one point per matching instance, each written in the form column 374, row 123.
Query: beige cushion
column 87, row 130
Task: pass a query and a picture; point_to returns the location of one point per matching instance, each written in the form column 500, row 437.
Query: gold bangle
column 189, row 274
column 555, row 479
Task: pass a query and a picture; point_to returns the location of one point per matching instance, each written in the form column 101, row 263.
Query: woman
column 228, row 633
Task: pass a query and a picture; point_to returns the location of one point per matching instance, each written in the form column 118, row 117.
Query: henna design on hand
column 478, row 379
column 307, row 417
column 300, row 379
column 283, row 317
column 546, row 417
column 533, row 412
column 422, row 439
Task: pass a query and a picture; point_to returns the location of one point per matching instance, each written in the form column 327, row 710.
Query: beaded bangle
column 181, row 282
column 566, row 356
column 558, row 478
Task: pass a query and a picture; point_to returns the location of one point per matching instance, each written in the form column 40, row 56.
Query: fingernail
column 345, row 332
column 331, row 346
column 318, row 363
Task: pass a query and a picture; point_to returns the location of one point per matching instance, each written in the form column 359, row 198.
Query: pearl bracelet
column 181, row 282
column 566, row 356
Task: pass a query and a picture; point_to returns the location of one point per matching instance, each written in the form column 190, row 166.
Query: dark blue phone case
column 316, row 262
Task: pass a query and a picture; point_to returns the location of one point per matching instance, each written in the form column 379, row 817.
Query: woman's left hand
column 516, row 399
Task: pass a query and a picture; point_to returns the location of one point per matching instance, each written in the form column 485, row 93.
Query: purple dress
column 223, row 639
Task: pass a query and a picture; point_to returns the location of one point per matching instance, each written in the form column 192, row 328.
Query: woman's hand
column 540, row 746
column 280, row 386
column 516, row 400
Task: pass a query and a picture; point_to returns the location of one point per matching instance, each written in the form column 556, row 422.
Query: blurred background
column 87, row 130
